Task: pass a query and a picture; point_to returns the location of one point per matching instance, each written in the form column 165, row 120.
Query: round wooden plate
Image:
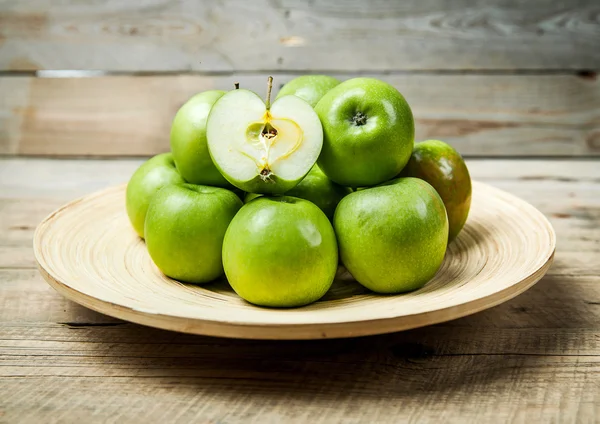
column 89, row 253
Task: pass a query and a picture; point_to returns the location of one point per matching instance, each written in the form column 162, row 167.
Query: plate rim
column 290, row 331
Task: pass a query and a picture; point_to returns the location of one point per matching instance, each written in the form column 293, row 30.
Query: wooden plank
column 466, row 389
column 32, row 188
column 98, row 375
column 67, row 340
column 65, row 179
column 560, row 302
column 519, row 115
column 14, row 96
column 234, row 35
column 536, row 356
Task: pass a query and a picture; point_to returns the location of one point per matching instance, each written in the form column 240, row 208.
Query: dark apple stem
column 269, row 88
column 237, row 85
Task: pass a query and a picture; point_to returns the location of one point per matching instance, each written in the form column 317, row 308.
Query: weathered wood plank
column 534, row 357
column 64, row 179
column 567, row 191
column 14, row 96
column 519, row 115
column 466, row 336
column 356, row 381
column 32, row 188
column 234, row 35
column 557, row 302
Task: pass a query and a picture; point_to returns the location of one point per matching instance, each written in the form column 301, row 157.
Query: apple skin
column 316, row 188
column 368, row 132
column 251, row 196
column 320, row 190
column 280, row 252
column 275, row 186
column 441, row 165
column 393, row 237
column 309, row 87
column 188, row 141
column 145, row 182
column 185, row 227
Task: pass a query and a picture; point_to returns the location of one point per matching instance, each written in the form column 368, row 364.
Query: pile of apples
column 270, row 194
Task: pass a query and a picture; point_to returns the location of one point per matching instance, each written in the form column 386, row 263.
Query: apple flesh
column 368, row 132
column 442, row 166
column 393, row 237
column 146, row 181
column 280, row 252
column 185, row 227
column 309, row 88
column 188, row 141
column 263, row 148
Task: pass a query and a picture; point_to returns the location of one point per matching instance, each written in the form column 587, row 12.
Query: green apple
column 317, row 188
column 442, row 166
column 263, row 148
column 368, row 132
column 185, row 227
column 251, row 196
column 153, row 175
column 320, row 190
column 188, row 141
column 393, row 237
column 280, row 252
column 309, row 87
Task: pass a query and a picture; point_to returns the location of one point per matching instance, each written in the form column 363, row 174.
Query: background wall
column 494, row 78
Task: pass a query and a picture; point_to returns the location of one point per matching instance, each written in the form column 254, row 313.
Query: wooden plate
column 89, row 253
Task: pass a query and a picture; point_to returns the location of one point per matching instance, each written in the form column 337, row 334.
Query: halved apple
column 263, row 148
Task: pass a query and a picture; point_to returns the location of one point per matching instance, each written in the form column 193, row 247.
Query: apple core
column 273, row 145
column 261, row 147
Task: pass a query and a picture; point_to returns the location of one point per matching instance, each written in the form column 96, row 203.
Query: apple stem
column 269, row 88
column 237, row 85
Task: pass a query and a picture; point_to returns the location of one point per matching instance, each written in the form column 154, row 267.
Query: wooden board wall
column 494, row 78
column 298, row 35
column 131, row 115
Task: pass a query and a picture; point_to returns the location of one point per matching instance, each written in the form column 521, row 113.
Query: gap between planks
column 76, row 73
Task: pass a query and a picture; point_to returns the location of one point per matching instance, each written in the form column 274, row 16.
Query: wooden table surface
column 512, row 85
column 535, row 358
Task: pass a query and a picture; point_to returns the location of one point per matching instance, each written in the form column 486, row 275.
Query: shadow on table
column 481, row 351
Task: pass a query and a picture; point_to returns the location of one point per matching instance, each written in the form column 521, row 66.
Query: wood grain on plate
column 519, row 115
column 237, row 35
column 88, row 252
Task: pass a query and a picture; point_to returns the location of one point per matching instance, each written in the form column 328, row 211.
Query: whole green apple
column 393, row 237
column 280, row 252
column 309, row 87
column 150, row 177
column 188, row 141
column 320, row 190
column 368, row 132
column 317, row 188
column 185, row 227
column 442, row 166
